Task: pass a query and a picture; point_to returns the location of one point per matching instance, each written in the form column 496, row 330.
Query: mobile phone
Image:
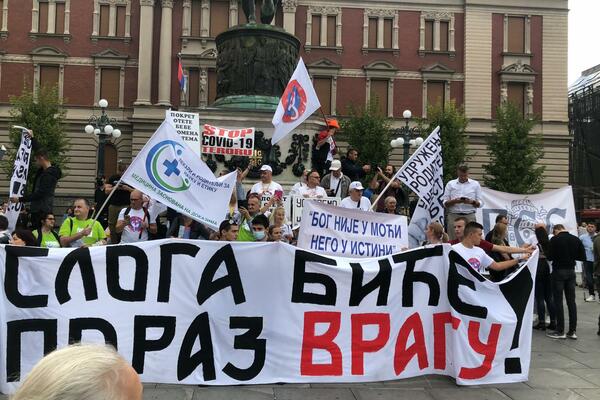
column 279, row 194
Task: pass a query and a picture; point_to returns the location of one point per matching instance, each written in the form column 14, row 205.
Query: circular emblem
column 475, row 263
column 294, row 102
column 163, row 166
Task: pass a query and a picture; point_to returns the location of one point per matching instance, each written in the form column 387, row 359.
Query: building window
column 48, row 69
column 219, row 17
column 516, row 95
column 48, row 76
column 380, row 30
column 194, row 87
column 196, row 18
column 202, row 79
column 437, row 33
column 50, row 17
column 517, row 34
column 112, row 19
column 3, row 15
column 380, row 85
column 110, row 79
column 436, row 93
column 324, row 28
column 379, row 94
column 323, row 89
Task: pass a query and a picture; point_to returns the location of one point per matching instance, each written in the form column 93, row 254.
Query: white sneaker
column 590, row 298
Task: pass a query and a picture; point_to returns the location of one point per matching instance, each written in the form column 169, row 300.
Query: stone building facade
column 408, row 54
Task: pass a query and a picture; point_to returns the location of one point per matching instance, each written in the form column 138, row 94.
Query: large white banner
column 167, row 170
column 525, row 210
column 18, row 181
column 423, row 173
column 297, row 203
column 187, row 126
column 341, row 231
column 199, row 312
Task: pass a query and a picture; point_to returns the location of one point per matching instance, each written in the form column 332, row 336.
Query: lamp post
column 407, row 137
column 104, row 128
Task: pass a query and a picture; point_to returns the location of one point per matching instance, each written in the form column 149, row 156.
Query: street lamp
column 104, row 127
column 407, row 137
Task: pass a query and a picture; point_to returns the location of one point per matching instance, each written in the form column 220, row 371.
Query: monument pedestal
column 254, row 65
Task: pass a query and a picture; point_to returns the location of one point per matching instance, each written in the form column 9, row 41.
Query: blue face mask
column 259, row 235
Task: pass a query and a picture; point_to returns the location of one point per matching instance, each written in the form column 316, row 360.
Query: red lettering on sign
column 360, row 346
column 404, row 354
column 310, row 342
column 440, row 320
column 488, row 350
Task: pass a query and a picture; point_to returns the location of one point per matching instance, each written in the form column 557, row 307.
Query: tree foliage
column 45, row 115
column 369, row 132
column 453, row 124
column 514, row 154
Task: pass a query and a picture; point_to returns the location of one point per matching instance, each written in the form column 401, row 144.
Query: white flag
column 169, row 171
column 423, row 173
column 298, row 102
column 18, row 181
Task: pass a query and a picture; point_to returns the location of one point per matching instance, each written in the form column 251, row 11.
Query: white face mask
column 259, row 235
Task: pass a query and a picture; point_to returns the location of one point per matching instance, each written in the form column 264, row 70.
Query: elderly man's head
column 81, row 372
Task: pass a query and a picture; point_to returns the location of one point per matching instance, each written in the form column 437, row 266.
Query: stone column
column 145, row 53
column 289, row 15
column 52, row 17
column 164, row 66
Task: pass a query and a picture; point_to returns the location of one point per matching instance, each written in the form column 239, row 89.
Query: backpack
column 146, row 217
column 39, row 235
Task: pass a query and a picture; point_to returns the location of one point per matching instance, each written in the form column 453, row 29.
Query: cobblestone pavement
column 560, row 370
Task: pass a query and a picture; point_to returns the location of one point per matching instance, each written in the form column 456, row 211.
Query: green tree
column 369, row 132
column 453, row 124
column 44, row 114
column 514, row 153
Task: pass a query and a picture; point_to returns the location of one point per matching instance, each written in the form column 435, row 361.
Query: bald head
column 136, row 200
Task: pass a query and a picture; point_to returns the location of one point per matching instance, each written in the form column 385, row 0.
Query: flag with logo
column 181, row 78
column 169, row 171
column 423, row 173
column 298, row 102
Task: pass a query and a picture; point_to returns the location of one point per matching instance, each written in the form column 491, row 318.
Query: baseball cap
column 356, row 185
column 335, row 165
column 266, row 168
column 333, row 123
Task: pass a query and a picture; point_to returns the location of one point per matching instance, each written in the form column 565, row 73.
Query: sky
column 584, row 32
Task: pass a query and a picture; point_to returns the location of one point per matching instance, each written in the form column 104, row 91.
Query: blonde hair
column 90, row 372
column 275, row 211
column 438, row 230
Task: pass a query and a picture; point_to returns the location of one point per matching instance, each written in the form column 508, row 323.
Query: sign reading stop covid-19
column 225, row 141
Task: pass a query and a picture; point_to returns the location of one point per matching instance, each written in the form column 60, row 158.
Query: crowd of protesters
column 258, row 215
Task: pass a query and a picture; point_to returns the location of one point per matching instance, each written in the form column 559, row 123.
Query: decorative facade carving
column 289, row 6
column 166, row 3
column 377, row 12
column 437, row 15
column 324, row 10
column 147, row 3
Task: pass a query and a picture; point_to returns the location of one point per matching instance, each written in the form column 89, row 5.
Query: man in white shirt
column 134, row 222
column 356, row 199
column 266, row 187
column 462, row 197
column 312, row 190
column 335, row 183
column 475, row 256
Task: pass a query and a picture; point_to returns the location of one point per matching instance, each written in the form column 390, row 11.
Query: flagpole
column 383, row 191
column 98, row 212
column 324, row 117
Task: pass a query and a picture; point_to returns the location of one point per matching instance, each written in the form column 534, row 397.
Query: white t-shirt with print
column 131, row 232
column 476, row 257
column 365, row 204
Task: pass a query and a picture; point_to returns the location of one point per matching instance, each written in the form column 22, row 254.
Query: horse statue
column 267, row 11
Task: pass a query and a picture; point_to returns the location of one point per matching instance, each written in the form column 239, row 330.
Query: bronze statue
column 267, row 12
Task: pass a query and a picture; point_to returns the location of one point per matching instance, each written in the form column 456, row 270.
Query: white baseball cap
column 335, row 165
column 266, row 168
column 356, row 185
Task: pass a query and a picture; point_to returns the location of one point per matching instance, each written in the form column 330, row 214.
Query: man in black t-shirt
column 118, row 201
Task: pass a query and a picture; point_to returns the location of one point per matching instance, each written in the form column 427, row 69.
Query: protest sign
column 350, row 232
column 18, row 181
column 297, row 206
column 525, row 210
column 423, row 174
column 187, row 126
column 215, row 313
column 167, row 170
column 232, row 142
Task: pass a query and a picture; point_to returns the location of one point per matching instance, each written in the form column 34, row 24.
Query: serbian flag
column 181, row 77
column 298, row 102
